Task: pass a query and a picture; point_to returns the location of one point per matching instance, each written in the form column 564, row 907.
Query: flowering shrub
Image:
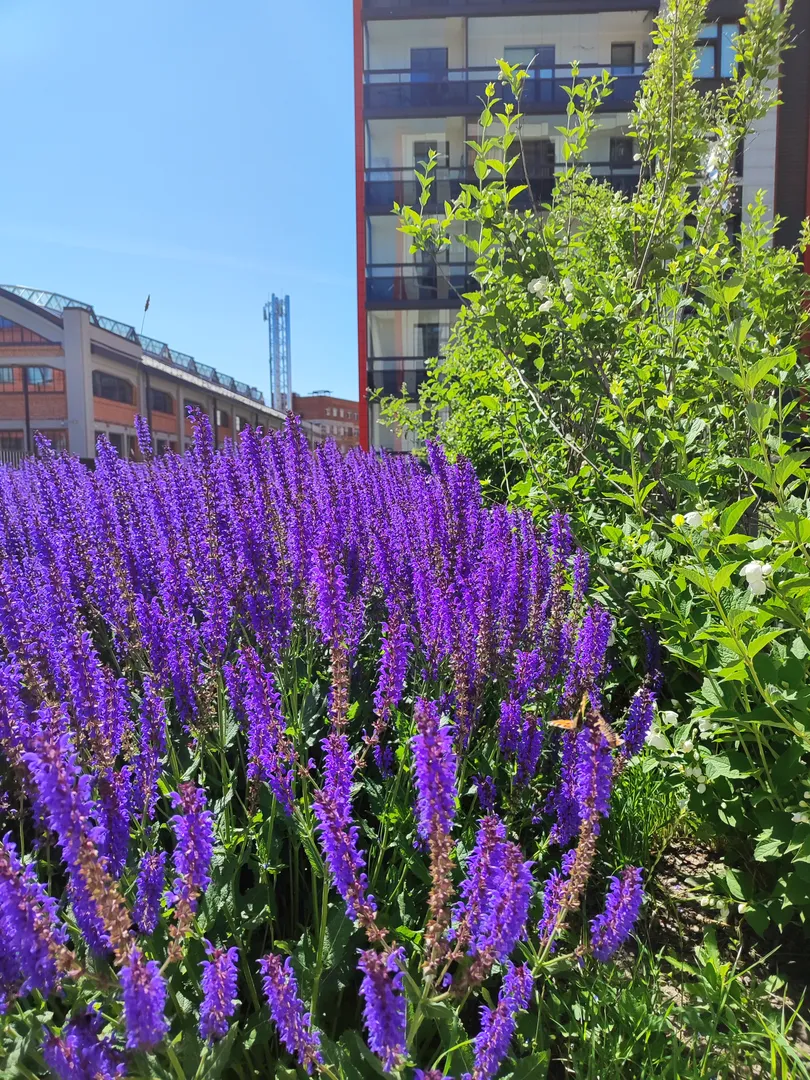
column 289, row 737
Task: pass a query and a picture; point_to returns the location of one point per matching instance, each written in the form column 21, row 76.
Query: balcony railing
column 384, row 187
column 428, row 284
column 403, row 91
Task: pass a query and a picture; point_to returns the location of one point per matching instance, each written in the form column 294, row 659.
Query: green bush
column 637, row 361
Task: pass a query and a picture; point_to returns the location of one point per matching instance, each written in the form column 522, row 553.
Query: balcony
column 425, row 9
column 384, row 187
column 390, row 373
column 459, row 92
column 412, row 285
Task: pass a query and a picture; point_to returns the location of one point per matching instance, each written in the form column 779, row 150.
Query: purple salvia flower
column 219, row 991
column 114, row 808
column 581, row 572
column 151, row 875
column 151, row 748
column 593, row 775
column 491, row 1045
column 79, row 1053
column 143, row 990
column 194, row 834
column 435, row 768
column 289, row 1013
column 271, row 754
column 385, row 1009
column 63, row 802
column 339, row 836
column 559, row 536
column 562, row 802
column 495, row 895
column 487, row 792
column 615, row 925
column 639, row 722
column 509, row 725
column 144, row 436
column 33, row 939
column 588, row 661
column 554, row 894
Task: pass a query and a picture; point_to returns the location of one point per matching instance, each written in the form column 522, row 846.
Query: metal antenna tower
column 277, row 316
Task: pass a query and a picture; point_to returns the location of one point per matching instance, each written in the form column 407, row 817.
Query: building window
column 427, row 339
column 621, row 153
column 117, row 440
column 541, row 58
column 161, row 401
column 242, row 423
column 46, row 380
column 716, row 53
column 8, row 383
column 57, row 437
column 540, row 156
column 622, row 58
column 11, row 440
column 422, row 149
column 189, row 403
column 428, row 65
column 132, row 446
column 223, row 419
column 112, row 388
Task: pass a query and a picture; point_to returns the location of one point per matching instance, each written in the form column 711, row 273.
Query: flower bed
column 294, row 736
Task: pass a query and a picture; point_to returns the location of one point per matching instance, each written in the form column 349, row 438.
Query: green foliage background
column 632, row 360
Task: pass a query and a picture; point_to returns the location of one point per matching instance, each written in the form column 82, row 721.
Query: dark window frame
column 622, row 67
column 117, row 389
column 158, row 397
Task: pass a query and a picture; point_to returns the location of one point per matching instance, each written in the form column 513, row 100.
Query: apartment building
column 72, row 375
column 332, row 417
column 421, row 67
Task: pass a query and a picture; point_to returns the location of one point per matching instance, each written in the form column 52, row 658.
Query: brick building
column 332, row 417
column 72, row 375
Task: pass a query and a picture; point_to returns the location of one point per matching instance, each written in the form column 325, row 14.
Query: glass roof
column 158, row 349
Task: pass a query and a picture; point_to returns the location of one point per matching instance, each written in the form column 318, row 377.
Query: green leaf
column 767, row 846
column 532, row 1068
column 732, row 514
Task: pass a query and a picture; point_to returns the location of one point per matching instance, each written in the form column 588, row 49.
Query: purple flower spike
column 498, row 1025
column 593, row 775
column 495, row 895
column 639, row 722
column 339, row 837
column 144, row 991
column 271, row 754
column 146, row 912
column 385, row 1009
column 288, row 1012
column 194, row 833
column 33, row 941
column 435, row 767
column 615, row 925
column 219, row 991
column 554, row 894
column 80, row 1054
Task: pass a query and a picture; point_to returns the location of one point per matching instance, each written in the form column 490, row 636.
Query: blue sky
column 196, row 151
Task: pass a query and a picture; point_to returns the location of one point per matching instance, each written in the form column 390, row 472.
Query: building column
column 79, row 382
column 181, row 420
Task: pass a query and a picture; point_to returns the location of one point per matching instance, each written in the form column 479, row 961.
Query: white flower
column 801, row 819
column 687, row 746
column 701, row 788
column 755, row 573
column 669, row 717
column 694, row 519
column 682, row 804
column 656, row 740
column 547, row 305
column 538, row 286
